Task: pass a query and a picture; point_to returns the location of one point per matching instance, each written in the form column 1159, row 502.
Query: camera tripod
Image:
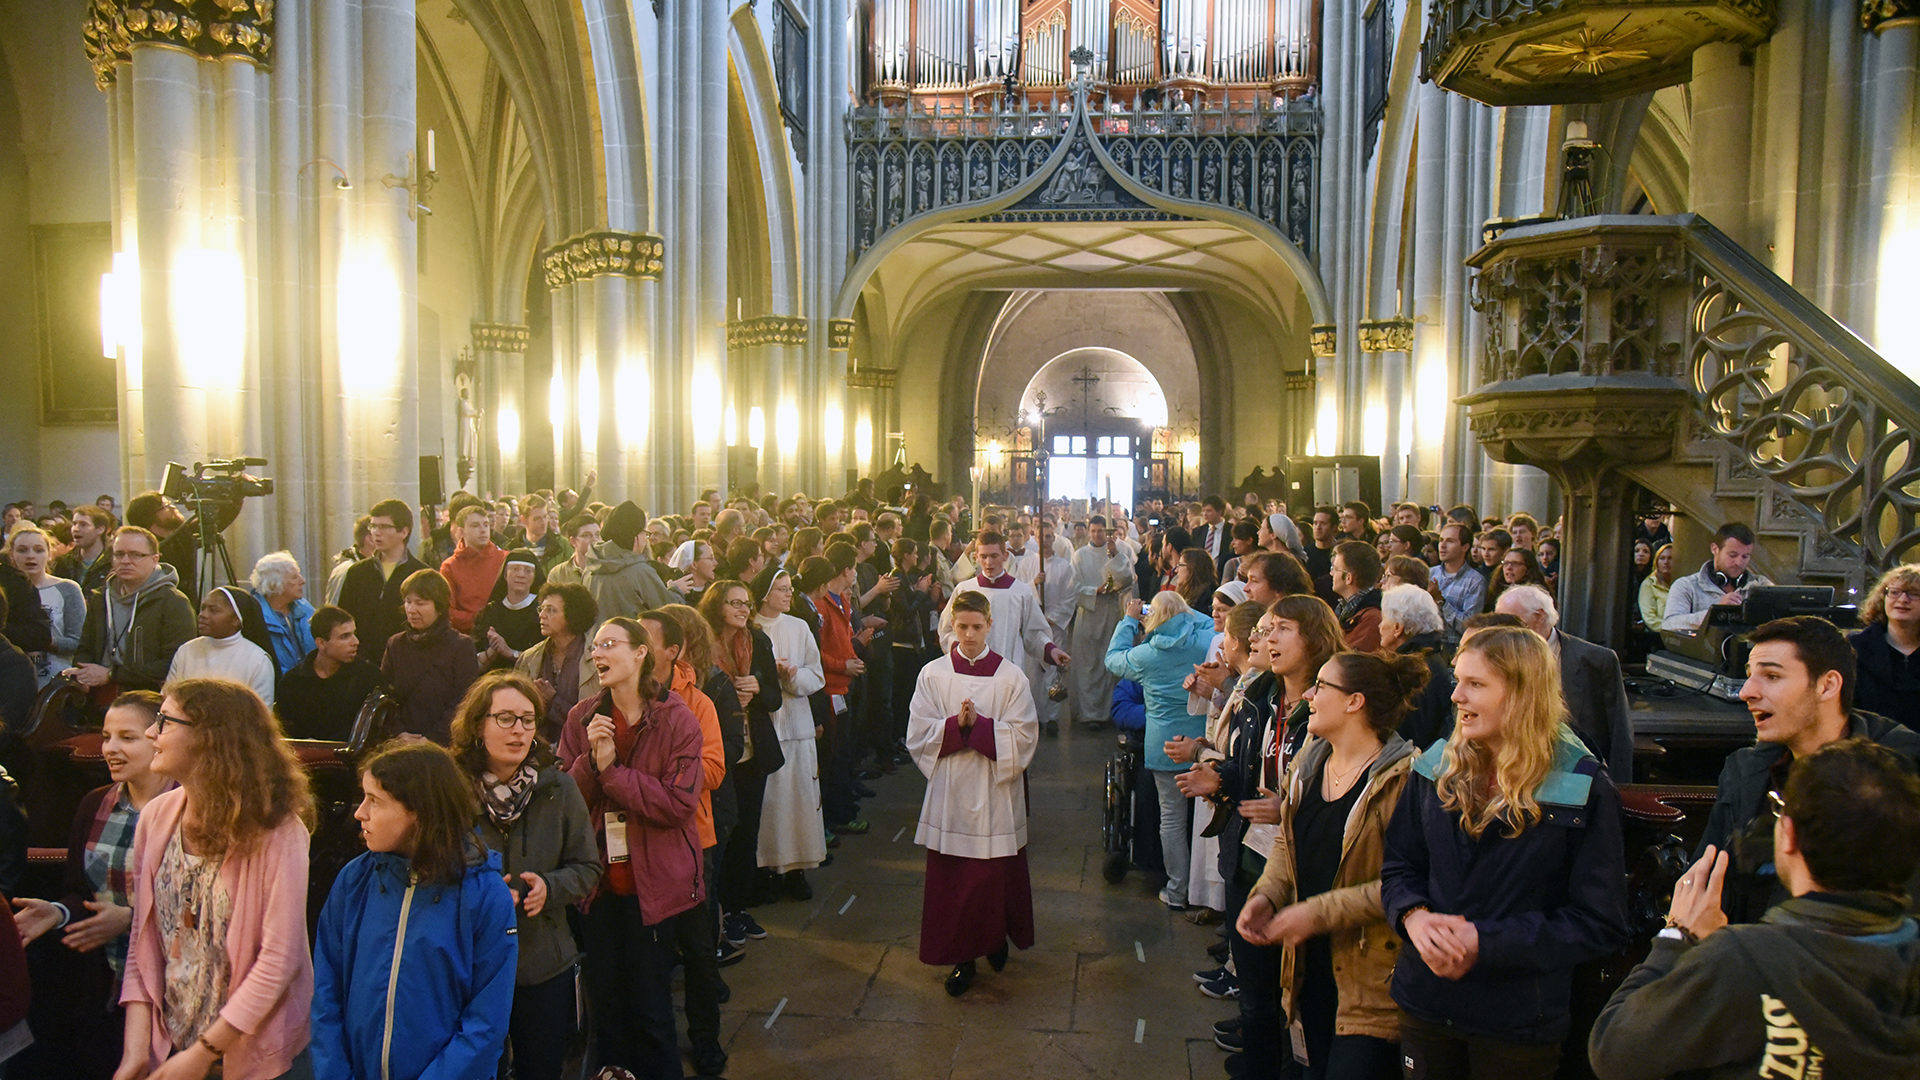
column 211, row 547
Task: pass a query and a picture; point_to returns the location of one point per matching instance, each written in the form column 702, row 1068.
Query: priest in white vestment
column 971, row 729
column 793, row 836
column 1019, row 629
column 1102, row 582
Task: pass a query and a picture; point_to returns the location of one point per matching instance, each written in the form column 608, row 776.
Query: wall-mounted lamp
column 340, row 182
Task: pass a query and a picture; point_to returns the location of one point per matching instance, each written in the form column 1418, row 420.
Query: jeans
column 1176, row 830
column 1435, row 1052
column 739, row 854
column 629, row 970
column 1263, row 1028
column 1330, row 1056
column 540, row 1027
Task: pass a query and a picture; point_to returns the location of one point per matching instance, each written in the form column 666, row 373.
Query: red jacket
column 836, row 643
column 658, row 786
column 472, row 572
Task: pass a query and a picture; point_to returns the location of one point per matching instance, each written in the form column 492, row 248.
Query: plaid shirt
column 109, row 862
column 1461, row 595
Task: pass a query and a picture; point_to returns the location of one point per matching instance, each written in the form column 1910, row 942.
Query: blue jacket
column 1161, row 664
column 292, row 637
column 1129, row 707
column 1546, row 900
column 451, row 979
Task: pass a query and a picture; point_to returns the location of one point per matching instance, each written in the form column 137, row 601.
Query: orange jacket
column 713, row 753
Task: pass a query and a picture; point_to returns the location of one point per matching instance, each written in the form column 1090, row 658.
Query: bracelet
column 212, row 1049
column 1691, row 937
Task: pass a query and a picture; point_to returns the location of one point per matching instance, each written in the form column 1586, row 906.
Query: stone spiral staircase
column 1628, row 352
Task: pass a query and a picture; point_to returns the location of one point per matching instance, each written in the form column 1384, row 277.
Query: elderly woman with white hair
column 1410, row 623
column 282, row 592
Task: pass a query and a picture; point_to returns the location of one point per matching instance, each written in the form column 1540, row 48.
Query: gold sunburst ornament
column 1590, row 53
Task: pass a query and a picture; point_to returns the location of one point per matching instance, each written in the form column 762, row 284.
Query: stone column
column 1722, row 127
column 276, row 308
column 500, row 352
column 1893, row 181
column 615, row 416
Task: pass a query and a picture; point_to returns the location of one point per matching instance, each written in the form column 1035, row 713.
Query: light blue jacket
column 1161, row 664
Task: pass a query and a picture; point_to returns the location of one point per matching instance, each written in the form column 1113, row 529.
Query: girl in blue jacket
column 414, row 958
column 1504, row 869
column 1172, row 640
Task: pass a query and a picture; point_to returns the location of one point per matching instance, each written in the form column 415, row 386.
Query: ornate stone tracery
column 766, row 330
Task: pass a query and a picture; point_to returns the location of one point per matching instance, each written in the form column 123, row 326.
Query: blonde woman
column 1889, row 681
column 1503, row 870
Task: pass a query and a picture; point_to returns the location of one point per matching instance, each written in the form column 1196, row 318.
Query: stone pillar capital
column 766, row 330
column 839, row 333
column 500, row 337
column 603, row 254
column 1878, row 15
column 209, row 29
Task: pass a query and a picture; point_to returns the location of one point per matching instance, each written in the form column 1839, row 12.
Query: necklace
column 1338, row 784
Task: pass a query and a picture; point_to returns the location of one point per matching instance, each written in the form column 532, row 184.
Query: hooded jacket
column 148, row 628
column 1364, row 946
column 472, row 572
column 1826, row 982
column 412, row 981
column 1161, row 664
column 623, row 581
column 553, row 838
column 1543, row 902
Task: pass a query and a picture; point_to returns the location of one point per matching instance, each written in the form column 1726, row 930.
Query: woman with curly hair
column 217, row 967
column 1889, row 677
column 532, row 814
column 1503, row 870
column 743, row 656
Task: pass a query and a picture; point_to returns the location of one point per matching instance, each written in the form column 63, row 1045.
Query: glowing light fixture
column 557, row 401
column 706, row 399
column 367, row 321
column 756, row 427
column 630, row 397
column 508, row 424
column 120, row 313
column 862, row 441
column 833, row 430
column 209, row 334
column 1373, row 430
column 1897, row 336
column 589, row 404
column 786, row 428
column 731, row 422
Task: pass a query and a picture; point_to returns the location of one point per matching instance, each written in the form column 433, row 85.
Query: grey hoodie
column 1827, row 985
column 623, row 582
column 136, row 635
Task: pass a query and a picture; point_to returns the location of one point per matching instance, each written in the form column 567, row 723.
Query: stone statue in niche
column 896, row 195
column 1269, row 187
column 982, row 179
column 1238, row 183
column 1180, row 177
column 950, row 181
column 1297, row 193
column 1079, row 178
column 922, row 183
column 467, row 436
column 1209, row 179
column 863, row 202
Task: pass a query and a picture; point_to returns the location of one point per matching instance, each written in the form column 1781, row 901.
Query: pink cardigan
column 270, row 987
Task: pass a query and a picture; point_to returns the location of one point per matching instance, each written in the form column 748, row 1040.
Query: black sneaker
column 732, row 931
column 1229, row 1026
column 1231, row 1042
column 1211, row 974
column 1226, row 988
column 751, row 926
column 708, row 1058
column 728, row 954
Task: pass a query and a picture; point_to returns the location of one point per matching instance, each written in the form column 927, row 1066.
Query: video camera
column 214, row 481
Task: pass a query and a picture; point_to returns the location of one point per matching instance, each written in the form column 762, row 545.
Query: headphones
column 1726, row 582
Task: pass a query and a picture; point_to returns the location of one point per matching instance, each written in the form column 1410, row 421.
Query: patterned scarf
column 736, row 658
column 507, row 799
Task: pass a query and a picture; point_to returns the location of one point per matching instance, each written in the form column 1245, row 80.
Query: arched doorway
column 1094, row 412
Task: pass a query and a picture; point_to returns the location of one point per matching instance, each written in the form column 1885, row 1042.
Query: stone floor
column 837, row 989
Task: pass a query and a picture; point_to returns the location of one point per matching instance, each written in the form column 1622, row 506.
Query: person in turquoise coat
column 1160, row 654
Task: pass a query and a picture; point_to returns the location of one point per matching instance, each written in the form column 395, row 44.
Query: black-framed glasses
column 1322, row 684
column 739, row 603
column 507, row 721
column 161, row 720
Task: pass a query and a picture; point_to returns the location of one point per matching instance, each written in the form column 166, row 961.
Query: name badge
column 616, row 837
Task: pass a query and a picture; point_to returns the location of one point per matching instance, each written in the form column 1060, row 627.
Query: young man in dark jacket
column 1799, row 688
column 1824, row 984
column 371, row 591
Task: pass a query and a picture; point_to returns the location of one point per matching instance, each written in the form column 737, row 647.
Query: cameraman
column 180, row 535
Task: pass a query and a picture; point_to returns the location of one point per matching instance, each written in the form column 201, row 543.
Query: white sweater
column 233, row 658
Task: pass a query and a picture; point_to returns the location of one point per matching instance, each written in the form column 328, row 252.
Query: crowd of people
column 1371, row 757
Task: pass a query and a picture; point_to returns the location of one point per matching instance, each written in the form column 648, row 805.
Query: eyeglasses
column 1322, row 684
column 737, row 603
column 381, row 526
column 507, row 721
column 1903, row 594
column 612, row 643
column 133, row 556
column 161, row 720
